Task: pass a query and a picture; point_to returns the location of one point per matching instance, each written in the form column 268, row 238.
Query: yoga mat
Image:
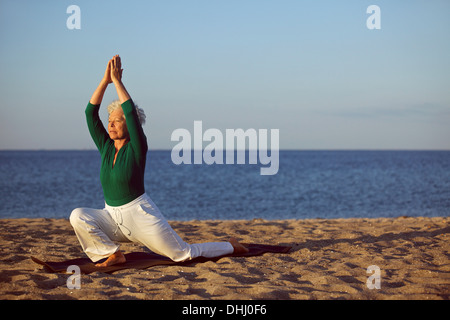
column 143, row 260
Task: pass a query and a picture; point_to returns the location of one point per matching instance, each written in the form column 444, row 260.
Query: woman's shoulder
column 108, row 148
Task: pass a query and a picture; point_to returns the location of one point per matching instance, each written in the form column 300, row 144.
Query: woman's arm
column 95, row 126
column 97, row 96
column 116, row 77
column 137, row 136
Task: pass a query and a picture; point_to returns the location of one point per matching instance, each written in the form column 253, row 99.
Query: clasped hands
column 113, row 71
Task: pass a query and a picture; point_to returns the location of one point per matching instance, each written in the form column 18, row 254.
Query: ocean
column 309, row 184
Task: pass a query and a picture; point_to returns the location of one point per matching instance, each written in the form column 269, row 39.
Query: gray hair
column 140, row 112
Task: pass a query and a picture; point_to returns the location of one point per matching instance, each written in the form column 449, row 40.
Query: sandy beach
column 328, row 260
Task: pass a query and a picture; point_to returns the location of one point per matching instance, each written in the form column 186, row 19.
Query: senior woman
column 129, row 213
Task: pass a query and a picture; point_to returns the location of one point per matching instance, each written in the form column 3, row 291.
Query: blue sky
column 311, row 69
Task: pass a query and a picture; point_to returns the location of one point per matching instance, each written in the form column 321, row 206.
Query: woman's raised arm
column 97, row 96
column 95, row 126
column 116, row 77
column 137, row 136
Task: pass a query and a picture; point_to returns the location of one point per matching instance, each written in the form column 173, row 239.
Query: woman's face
column 117, row 126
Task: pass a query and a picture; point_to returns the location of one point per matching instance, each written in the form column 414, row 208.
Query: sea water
column 308, row 184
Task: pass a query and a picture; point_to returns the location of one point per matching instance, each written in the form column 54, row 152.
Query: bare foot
column 238, row 247
column 113, row 259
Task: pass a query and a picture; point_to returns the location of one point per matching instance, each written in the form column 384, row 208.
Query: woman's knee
column 175, row 252
column 76, row 216
column 181, row 254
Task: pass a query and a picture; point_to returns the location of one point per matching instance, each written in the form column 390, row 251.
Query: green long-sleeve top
column 124, row 181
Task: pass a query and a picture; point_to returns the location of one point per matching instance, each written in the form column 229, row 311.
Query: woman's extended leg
column 151, row 229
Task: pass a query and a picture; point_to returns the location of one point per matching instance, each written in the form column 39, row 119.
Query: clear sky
column 311, row 69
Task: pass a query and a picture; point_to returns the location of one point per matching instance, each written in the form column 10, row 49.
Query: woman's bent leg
column 97, row 232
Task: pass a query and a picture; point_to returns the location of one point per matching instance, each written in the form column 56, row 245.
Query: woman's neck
column 119, row 143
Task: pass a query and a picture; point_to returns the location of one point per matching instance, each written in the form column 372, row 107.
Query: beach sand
column 329, row 260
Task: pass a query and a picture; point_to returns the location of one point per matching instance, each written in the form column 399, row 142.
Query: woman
column 129, row 214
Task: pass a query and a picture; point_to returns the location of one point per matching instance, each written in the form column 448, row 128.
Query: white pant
column 99, row 232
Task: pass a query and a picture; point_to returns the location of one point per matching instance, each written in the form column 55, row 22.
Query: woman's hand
column 107, row 77
column 97, row 96
column 116, row 77
column 113, row 73
column 116, row 71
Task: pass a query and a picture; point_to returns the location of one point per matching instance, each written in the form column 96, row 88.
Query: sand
column 329, row 260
